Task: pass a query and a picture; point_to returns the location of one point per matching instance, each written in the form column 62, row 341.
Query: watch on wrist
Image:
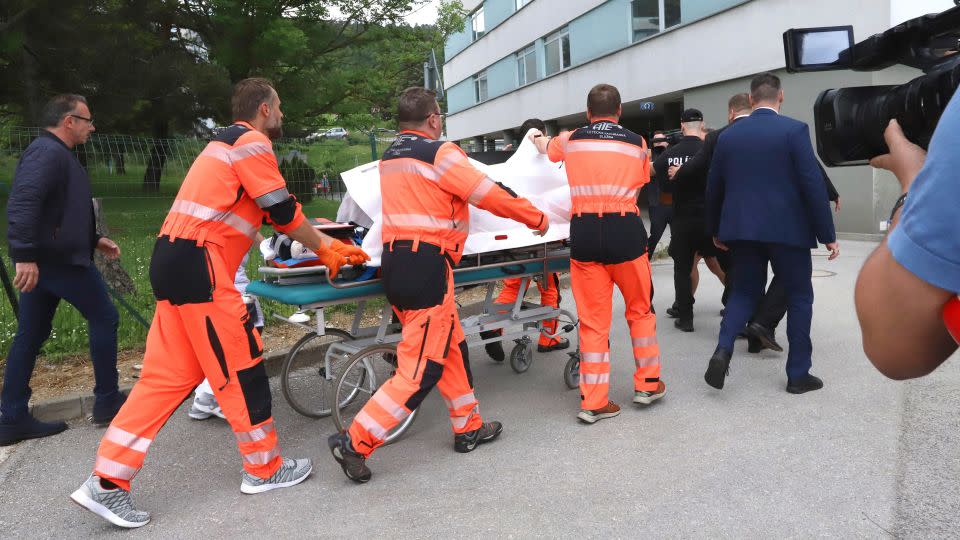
column 898, row 205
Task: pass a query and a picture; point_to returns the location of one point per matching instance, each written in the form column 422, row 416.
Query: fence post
column 373, row 144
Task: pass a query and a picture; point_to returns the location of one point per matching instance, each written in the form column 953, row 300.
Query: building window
column 526, row 66
column 646, row 18
column 480, row 86
column 521, row 3
column 477, row 23
column 671, row 13
column 557, row 48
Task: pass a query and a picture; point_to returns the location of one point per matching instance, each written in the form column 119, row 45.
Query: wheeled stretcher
column 333, row 371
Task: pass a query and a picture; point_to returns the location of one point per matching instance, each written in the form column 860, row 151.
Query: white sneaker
column 204, row 406
column 113, row 505
column 290, row 473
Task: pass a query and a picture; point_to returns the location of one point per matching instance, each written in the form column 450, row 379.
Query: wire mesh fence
column 136, row 180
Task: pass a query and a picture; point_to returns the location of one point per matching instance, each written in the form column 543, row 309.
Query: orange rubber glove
column 354, row 254
column 332, row 260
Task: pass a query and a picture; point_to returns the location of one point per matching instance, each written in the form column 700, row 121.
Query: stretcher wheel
column 521, row 356
column 362, row 375
column 571, row 372
column 307, row 375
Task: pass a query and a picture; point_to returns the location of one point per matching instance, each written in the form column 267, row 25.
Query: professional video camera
column 850, row 121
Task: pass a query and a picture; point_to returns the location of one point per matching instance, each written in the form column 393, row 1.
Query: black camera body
column 850, row 121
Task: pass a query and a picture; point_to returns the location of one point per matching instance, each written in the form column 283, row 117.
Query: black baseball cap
column 691, row 115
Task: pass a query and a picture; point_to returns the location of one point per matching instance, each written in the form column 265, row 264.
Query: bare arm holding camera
column 901, row 314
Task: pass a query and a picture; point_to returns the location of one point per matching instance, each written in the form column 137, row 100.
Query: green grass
column 134, row 218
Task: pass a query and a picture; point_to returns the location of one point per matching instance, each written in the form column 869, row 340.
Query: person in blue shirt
column 915, row 271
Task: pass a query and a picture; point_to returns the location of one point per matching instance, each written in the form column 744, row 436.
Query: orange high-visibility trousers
column 549, row 296
column 432, row 352
column 592, row 285
column 187, row 343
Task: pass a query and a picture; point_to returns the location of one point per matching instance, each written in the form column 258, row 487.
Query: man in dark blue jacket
column 767, row 203
column 52, row 236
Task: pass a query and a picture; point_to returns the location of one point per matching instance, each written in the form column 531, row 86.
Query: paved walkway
column 864, row 457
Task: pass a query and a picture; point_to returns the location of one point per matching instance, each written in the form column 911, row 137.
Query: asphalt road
column 863, row 458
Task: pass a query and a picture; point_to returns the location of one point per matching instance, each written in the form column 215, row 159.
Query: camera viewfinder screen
column 822, row 47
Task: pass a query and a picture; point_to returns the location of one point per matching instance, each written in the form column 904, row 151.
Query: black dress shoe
column 718, row 368
column 673, row 312
column 764, row 336
column 685, row 325
column 804, row 385
column 754, row 346
column 28, row 427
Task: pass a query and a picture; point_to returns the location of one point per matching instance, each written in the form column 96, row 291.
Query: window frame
column 521, row 57
column 520, row 4
column 480, row 76
column 557, row 36
column 478, row 14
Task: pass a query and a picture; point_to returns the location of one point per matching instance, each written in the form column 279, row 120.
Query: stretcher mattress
column 324, row 293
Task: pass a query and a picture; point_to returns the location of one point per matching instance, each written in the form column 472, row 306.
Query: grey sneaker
column 290, row 473
column 204, row 406
column 113, row 505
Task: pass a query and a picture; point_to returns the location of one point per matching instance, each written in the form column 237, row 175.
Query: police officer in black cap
column 688, row 236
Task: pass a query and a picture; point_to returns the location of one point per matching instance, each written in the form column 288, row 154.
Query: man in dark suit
column 767, row 204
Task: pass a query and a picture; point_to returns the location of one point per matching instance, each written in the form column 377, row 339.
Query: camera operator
column 905, row 283
column 659, row 202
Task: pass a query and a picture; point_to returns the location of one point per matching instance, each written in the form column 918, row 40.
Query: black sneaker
column 105, row 410
column 495, row 349
column 673, row 312
column 804, row 384
column 718, row 368
column 558, row 344
column 28, row 427
column 466, row 442
column 353, row 464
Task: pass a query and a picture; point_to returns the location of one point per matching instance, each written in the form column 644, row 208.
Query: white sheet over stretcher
column 527, row 172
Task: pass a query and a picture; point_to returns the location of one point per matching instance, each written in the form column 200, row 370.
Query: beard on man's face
column 275, row 132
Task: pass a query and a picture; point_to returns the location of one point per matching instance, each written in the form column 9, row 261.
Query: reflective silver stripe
column 647, row 361
column 644, row 341
column 460, row 422
column 595, row 357
column 389, row 405
column 595, row 378
column 409, row 166
column 261, row 458
column 108, row 468
column 274, row 197
column 230, row 155
column 603, row 190
column 254, row 435
column 371, row 425
column 250, row 149
column 607, row 146
column 466, row 399
column 483, row 188
column 127, row 440
column 206, row 213
column 449, row 161
column 217, row 151
column 423, row 221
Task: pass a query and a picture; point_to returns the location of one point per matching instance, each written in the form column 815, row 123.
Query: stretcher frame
column 485, row 270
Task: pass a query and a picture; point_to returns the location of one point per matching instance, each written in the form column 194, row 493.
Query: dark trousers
column 687, row 238
column 82, row 287
column 660, row 217
column 793, row 266
column 773, row 305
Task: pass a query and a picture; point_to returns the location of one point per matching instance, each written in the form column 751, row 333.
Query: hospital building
column 517, row 59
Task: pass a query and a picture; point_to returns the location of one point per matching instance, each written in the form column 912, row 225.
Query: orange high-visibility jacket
column 230, row 188
column 426, row 186
column 606, row 167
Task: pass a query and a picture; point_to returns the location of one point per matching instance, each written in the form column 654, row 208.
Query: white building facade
column 518, row 59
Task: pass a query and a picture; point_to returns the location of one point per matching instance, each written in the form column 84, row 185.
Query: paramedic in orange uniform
column 426, row 186
column 201, row 328
column 606, row 166
column 549, row 293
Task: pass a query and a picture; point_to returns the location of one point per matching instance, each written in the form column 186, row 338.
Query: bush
column 300, row 176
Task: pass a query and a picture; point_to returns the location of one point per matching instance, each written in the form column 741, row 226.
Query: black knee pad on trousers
column 431, row 376
column 466, row 361
column 256, row 392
